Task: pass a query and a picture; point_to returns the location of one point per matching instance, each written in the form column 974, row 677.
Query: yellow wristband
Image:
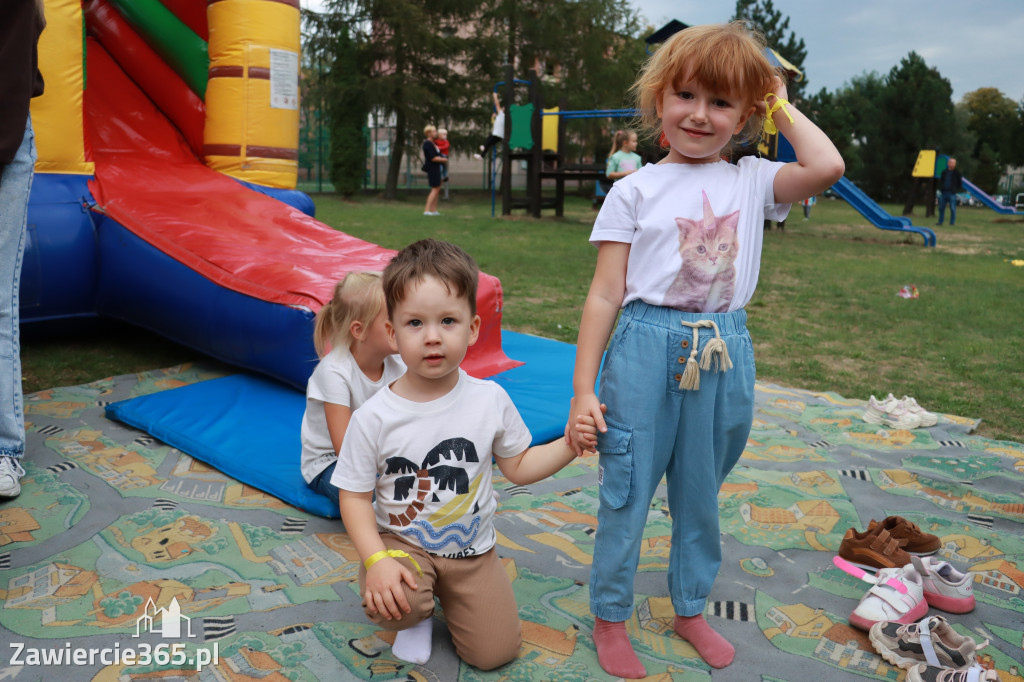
column 394, row 554
column 769, row 124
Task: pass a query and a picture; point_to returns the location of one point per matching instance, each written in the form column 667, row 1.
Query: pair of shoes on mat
column 932, row 642
column 927, row 673
column 903, row 413
column 10, row 476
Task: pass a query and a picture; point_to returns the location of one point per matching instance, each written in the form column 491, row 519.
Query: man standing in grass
column 950, row 184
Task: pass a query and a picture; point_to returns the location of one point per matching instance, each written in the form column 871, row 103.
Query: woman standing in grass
column 433, row 164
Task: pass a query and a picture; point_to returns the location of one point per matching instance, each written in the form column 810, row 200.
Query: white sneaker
column 10, row 476
column 898, row 596
column 477, row 157
column 890, row 413
column 945, row 587
column 910, row 405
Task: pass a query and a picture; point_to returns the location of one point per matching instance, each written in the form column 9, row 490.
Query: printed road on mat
column 124, row 559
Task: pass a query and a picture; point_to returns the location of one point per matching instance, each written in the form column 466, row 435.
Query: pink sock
column 711, row 646
column 614, row 650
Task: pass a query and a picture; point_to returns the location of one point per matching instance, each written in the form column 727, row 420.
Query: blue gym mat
column 247, row 426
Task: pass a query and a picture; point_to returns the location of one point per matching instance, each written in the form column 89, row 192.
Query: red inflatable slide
column 203, row 259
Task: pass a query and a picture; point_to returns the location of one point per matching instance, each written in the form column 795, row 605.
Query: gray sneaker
column 932, row 641
column 10, row 476
column 926, row 673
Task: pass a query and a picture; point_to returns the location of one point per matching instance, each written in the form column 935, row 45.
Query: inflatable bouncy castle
column 164, row 190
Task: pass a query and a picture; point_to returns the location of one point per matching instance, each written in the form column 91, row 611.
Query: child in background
column 623, row 159
column 497, row 128
column 679, row 247
column 444, row 145
column 360, row 362
column 442, row 141
column 424, row 446
column 807, row 203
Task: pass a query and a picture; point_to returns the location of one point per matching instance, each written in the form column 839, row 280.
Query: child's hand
column 384, row 593
column 586, row 407
column 586, row 430
column 778, row 89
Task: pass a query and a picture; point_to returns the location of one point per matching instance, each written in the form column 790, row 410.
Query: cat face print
column 708, row 248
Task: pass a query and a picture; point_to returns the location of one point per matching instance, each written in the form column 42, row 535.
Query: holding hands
column 586, row 419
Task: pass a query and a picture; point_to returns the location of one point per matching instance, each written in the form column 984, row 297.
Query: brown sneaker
column 873, row 549
column 917, row 541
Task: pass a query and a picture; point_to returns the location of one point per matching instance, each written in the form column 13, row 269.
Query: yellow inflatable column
column 57, row 113
column 252, row 96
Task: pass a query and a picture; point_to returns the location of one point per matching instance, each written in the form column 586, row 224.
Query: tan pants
column 475, row 595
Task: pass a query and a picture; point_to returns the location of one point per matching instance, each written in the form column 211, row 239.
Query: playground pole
column 506, row 166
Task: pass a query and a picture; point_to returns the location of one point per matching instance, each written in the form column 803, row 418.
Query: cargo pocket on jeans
column 615, row 472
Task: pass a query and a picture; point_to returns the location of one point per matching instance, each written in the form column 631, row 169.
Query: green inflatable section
column 181, row 48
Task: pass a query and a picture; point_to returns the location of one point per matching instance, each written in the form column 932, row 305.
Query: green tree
column 313, row 135
column 422, row 62
column 993, row 119
column 770, row 22
column 347, row 116
column 831, row 113
column 987, row 170
column 586, row 55
column 851, row 118
column 896, row 117
column 917, row 113
column 1017, row 140
column 418, row 62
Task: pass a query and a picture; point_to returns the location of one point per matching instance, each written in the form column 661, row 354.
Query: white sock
column 413, row 644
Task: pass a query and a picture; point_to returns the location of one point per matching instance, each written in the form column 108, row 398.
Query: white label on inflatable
column 284, row 79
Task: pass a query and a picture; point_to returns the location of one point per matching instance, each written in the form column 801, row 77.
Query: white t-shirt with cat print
column 695, row 231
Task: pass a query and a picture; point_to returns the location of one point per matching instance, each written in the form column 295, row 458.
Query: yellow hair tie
column 394, row 554
column 769, row 124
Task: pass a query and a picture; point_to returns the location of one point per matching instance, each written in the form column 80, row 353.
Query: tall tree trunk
column 395, row 162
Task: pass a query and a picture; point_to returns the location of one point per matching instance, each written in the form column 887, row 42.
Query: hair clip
column 769, row 124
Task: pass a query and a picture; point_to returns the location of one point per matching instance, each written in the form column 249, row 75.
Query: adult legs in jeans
column 15, row 185
column 947, row 198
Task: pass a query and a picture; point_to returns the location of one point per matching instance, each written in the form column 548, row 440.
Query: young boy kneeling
column 424, row 446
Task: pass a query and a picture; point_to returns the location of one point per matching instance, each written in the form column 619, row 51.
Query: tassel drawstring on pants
column 715, row 355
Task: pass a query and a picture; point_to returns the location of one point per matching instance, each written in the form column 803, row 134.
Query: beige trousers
column 475, row 595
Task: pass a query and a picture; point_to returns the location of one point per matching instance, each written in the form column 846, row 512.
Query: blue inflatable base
column 247, row 426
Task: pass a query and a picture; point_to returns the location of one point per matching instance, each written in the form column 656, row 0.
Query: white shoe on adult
column 10, row 476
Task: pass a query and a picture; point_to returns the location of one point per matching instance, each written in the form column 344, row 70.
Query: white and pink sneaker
column 890, row 412
column 898, row 595
column 910, row 405
column 945, row 587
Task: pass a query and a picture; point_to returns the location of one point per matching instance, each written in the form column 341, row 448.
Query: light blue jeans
column 656, row 429
column 15, row 185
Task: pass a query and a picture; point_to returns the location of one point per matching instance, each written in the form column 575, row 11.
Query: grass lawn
column 825, row 316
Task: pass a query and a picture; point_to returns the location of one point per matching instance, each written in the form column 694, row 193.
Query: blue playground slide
column 878, row 216
column 986, row 199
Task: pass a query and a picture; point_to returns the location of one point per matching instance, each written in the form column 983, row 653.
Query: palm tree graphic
column 421, row 479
